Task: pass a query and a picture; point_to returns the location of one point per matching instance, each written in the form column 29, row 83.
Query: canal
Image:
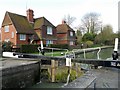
column 104, row 54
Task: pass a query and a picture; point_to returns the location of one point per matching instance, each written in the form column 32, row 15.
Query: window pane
column 22, row 37
column 49, row 30
column 6, row 28
column 7, row 40
column 49, row 42
column 71, row 33
column 71, row 43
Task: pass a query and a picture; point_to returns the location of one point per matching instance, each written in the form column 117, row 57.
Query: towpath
column 98, row 78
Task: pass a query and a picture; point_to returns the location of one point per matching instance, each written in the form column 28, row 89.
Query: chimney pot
column 30, row 14
column 63, row 22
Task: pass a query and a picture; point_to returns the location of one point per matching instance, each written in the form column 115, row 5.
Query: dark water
column 47, row 85
column 104, row 54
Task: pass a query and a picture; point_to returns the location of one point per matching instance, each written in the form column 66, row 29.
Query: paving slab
column 97, row 78
column 12, row 62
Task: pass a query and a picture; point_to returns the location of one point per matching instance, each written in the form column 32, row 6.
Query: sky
column 55, row 10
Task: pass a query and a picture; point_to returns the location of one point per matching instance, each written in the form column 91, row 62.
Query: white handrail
column 84, row 54
column 98, row 56
column 39, row 50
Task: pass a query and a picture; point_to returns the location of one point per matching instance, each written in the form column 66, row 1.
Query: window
column 12, row 34
column 71, row 43
column 7, row 40
column 22, row 37
column 49, row 42
column 6, row 28
column 49, row 30
column 71, row 33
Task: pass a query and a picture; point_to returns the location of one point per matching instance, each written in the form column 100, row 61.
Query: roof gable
column 39, row 22
column 20, row 23
column 6, row 20
column 63, row 28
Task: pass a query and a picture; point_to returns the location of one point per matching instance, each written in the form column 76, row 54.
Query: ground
column 11, row 62
column 98, row 78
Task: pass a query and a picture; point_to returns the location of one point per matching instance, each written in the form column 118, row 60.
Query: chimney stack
column 30, row 14
column 63, row 22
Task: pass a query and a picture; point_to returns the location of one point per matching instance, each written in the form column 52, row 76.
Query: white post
column 116, row 44
column 41, row 44
column 115, row 53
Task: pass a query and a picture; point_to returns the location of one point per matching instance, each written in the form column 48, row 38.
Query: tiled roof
column 21, row 23
column 63, row 28
column 39, row 22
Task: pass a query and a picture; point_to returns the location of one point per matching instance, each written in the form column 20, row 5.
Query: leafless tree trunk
column 69, row 19
column 91, row 23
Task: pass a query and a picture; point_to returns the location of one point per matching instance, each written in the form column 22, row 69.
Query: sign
column 68, row 62
column 113, row 63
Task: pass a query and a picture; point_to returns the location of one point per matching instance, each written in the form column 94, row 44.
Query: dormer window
column 49, row 30
column 7, row 28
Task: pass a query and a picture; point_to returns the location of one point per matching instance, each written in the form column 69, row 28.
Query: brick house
column 21, row 29
column 65, row 34
column 45, row 30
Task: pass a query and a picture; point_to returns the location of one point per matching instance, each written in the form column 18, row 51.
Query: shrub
column 29, row 48
column 89, row 43
column 62, row 74
column 89, row 37
column 7, row 46
column 61, row 46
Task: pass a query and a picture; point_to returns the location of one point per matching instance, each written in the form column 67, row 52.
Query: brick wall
column 8, row 35
column 22, row 41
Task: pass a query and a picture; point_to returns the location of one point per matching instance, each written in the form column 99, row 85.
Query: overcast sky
column 55, row 10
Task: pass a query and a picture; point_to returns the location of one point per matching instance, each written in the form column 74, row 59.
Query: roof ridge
column 15, row 14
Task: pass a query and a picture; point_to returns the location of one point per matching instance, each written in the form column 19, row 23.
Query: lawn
column 54, row 53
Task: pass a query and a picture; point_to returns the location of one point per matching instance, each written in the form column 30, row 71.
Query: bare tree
column 91, row 22
column 69, row 19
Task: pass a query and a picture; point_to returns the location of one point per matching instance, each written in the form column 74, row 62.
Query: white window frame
column 12, row 35
column 71, row 43
column 49, row 30
column 7, row 40
column 6, row 28
column 22, row 37
column 71, row 33
column 49, row 42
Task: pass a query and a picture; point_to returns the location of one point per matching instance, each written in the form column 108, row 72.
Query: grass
column 62, row 73
column 55, row 53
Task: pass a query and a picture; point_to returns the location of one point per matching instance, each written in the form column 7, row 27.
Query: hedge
column 29, row 48
column 33, row 48
column 61, row 46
